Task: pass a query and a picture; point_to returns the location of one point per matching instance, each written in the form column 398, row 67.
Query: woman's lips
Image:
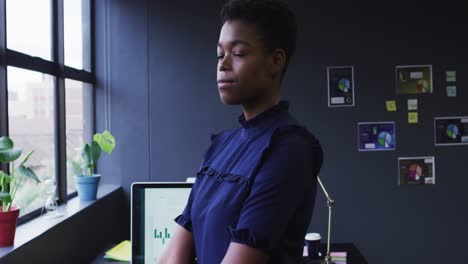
column 225, row 84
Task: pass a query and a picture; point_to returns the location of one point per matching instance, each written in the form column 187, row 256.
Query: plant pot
column 8, row 222
column 87, row 186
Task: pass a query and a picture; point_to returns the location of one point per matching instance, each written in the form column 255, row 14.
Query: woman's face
column 243, row 71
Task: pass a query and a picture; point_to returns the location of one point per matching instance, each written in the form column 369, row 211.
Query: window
column 77, row 35
column 31, row 126
column 46, row 92
column 29, row 27
column 79, row 120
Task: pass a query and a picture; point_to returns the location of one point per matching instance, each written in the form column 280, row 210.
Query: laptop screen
column 154, row 207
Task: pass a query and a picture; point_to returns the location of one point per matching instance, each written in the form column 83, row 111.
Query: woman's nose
column 224, row 63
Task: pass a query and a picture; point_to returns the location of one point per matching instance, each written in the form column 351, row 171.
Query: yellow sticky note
column 413, row 117
column 121, row 252
column 391, row 106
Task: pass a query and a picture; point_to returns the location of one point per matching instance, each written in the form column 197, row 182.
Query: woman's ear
column 278, row 61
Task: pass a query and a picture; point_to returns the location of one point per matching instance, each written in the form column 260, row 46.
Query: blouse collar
column 282, row 106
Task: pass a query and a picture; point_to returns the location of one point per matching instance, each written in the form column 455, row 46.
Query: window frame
column 60, row 71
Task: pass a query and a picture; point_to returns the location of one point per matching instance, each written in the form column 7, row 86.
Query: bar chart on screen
column 161, row 207
column 159, row 235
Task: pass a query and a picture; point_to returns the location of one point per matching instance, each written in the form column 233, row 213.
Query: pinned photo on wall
column 340, row 80
column 452, row 91
column 451, row 131
column 376, row 136
column 412, row 104
column 416, row 170
column 414, row 79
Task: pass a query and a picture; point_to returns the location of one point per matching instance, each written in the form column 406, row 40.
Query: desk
column 353, row 254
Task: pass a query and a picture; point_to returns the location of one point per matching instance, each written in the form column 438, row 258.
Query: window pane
column 31, row 127
column 76, row 33
column 29, row 27
column 78, row 104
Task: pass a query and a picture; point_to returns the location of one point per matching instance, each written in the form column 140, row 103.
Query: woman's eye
column 235, row 54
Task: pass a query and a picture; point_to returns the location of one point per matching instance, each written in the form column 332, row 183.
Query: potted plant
column 9, row 185
column 87, row 183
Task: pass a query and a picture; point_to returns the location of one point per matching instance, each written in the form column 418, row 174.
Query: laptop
column 154, row 205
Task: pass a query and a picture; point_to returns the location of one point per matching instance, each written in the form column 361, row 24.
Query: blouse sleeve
column 286, row 177
column 185, row 219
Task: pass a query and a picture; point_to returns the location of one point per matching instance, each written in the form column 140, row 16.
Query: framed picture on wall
column 416, row 170
column 340, row 80
column 376, row 136
column 450, row 131
column 414, row 79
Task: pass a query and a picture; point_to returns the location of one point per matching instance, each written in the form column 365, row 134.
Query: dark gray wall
column 122, row 102
column 162, row 104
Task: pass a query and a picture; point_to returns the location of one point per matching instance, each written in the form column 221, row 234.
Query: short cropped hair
column 275, row 23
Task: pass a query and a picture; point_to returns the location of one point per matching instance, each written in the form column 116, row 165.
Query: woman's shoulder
column 299, row 138
column 294, row 133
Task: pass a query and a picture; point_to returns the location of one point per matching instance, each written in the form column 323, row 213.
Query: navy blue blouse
column 256, row 186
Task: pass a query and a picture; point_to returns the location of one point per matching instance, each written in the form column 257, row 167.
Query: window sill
column 31, row 230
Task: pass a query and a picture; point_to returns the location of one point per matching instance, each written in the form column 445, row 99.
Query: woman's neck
column 259, row 106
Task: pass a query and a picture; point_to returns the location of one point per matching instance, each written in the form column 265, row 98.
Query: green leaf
column 5, row 197
column 9, row 155
column 26, row 158
column 97, row 137
column 86, row 154
column 106, row 141
column 90, row 154
column 4, row 178
column 6, row 143
column 95, row 151
column 27, row 172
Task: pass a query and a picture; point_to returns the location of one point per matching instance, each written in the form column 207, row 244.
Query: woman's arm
column 238, row 253
column 180, row 249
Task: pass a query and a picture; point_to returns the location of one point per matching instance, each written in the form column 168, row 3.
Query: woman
column 255, row 189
